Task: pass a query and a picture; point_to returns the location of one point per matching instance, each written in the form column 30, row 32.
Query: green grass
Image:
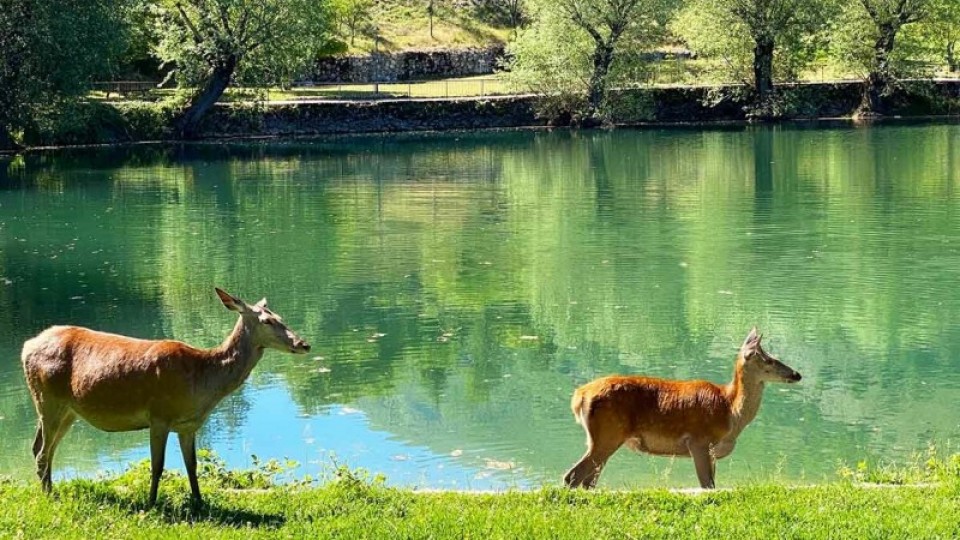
column 404, row 25
column 351, row 505
column 484, row 85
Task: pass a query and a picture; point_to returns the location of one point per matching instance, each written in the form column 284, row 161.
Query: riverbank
column 349, row 508
column 113, row 123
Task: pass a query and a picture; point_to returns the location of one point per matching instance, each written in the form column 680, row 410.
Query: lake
column 456, row 288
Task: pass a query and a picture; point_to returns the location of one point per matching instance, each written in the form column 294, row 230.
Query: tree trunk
column 880, row 78
column 952, row 61
column 763, row 67
column 205, row 100
column 430, row 16
column 602, row 58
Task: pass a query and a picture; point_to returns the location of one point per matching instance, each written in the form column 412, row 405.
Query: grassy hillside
column 404, row 24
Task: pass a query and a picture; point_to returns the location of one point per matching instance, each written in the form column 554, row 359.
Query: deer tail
column 578, row 406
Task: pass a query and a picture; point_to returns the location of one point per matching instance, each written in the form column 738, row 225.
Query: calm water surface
column 457, row 288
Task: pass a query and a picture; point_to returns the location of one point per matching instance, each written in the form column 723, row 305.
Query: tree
column 571, row 45
column 867, row 40
column 756, row 37
column 355, row 15
column 50, row 53
column 214, row 43
column 939, row 32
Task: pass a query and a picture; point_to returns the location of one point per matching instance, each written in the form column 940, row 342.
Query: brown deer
column 697, row 419
column 118, row 383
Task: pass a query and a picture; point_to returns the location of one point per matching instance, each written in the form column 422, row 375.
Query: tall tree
column 50, row 53
column 573, row 44
column 750, row 35
column 214, row 43
column 889, row 17
column 867, row 39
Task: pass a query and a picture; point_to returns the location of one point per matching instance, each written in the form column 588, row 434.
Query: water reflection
column 457, row 288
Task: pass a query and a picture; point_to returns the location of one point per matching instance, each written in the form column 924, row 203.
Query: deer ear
column 230, row 302
column 262, row 303
column 751, row 344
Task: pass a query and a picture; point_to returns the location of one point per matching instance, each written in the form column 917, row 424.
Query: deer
column 661, row 417
column 120, row 383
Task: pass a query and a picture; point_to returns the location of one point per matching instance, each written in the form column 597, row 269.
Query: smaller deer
column 697, row 419
column 118, row 383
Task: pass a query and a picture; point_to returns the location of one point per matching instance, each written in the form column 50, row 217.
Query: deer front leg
column 158, row 446
column 188, row 447
column 704, row 463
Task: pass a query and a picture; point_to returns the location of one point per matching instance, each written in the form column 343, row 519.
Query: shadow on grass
column 177, row 511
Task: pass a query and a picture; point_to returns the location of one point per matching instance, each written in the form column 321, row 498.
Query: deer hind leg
column 55, row 422
column 604, row 438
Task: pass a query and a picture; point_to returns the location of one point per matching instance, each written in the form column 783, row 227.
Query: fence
column 472, row 87
column 675, row 71
column 125, row 88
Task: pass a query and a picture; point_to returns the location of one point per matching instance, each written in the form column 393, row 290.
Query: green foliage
column 273, row 40
column 854, row 38
column 936, row 37
column 725, row 32
column 354, row 17
column 51, row 51
column 625, row 107
column 557, row 53
column 931, row 466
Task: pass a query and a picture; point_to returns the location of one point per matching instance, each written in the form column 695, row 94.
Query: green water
column 503, row 270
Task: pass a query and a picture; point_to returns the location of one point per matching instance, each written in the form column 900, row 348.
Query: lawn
column 353, row 506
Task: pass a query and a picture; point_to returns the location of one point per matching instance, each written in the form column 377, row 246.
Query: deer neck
column 234, row 359
column 745, row 394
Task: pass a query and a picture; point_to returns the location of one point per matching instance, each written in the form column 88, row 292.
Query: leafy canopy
column 272, row 41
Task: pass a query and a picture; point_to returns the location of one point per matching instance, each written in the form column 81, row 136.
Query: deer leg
column 704, row 463
column 38, row 441
column 158, row 446
column 188, row 447
column 54, row 424
column 601, row 444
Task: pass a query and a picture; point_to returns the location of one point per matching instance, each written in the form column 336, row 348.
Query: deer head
column 267, row 328
column 758, row 363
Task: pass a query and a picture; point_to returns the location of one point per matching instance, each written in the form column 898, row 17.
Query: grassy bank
column 353, row 507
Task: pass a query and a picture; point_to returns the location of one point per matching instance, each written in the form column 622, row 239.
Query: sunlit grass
column 352, row 504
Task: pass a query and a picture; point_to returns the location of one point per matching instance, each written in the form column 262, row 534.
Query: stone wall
column 406, row 66
column 371, row 116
